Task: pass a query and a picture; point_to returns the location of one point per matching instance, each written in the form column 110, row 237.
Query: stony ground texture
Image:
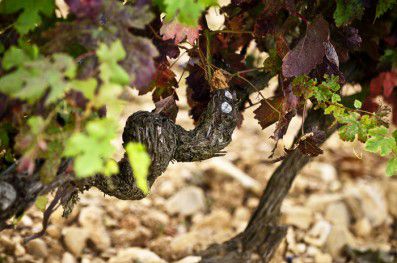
column 341, row 199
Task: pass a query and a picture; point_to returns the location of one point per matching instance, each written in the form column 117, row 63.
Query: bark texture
column 164, row 140
column 260, row 239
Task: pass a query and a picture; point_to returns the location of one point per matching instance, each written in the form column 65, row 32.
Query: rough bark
column 164, row 140
column 260, row 239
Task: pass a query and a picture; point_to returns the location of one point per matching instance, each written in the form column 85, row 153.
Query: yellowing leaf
column 41, row 202
column 140, row 163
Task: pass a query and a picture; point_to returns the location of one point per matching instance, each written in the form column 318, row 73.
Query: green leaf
column 32, row 79
column 140, row 162
column 87, row 87
column 357, row 104
column 92, row 148
column 391, row 168
column 15, row 57
column 29, row 18
column 186, row 11
column 351, row 128
column 383, row 6
column 335, row 98
column 111, row 167
column 110, row 70
column 36, row 124
column 380, row 142
column 346, row 11
column 41, row 202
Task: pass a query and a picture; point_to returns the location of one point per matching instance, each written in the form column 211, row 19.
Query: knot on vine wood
column 166, row 141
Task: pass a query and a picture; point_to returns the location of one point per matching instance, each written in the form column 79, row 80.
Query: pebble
column 338, row 214
column 68, row 258
column 189, row 259
column 37, row 248
column 318, row 234
column 187, row 201
column 91, row 219
column 369, row 200
column 322, row 258
column 337, row 239
column 362, row 227
column 392, row 197
column 136, row 254
column 75, row 239
column 298, row 216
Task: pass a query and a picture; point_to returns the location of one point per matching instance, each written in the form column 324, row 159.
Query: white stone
column 318, row 234
column 392, row 197
column 187, row 201
column 189, row 259
column 371, row 201
column 298, row 216
column 136, row 254
column 91, row 218
column 337, row 239
column 75, row 239
column 68, row 258
column 338, row 214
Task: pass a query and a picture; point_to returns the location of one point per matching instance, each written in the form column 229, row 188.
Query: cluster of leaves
column 354, row 123
column 59, row 75
column 33, row 77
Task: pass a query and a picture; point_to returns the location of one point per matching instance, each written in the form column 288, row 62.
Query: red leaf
column 167, row 107
column 385, row 81
column 179, row 32
column 308, row 143
column 309, row 51
column 269, row 111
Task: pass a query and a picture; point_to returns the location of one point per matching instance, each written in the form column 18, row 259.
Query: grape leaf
column 179, row 32
column 92, row 148
column 110, row 70
column 41, row 202
column 379, row 142
column 391, row 168
column 269, row 111
column 29, row 17
column 348, row 10
column 186, row 11
column 140, row 162
column 358, row 104
column 352, row 126
column 309, row 51
column 84, row 8
column 167, row 107
column 32, row 79
column 383, row 6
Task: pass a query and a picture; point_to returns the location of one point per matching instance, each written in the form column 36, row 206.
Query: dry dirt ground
column 339, row 203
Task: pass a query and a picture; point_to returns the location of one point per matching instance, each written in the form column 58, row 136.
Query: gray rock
column 187, row 201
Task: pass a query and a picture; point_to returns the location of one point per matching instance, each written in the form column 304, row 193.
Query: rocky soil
column 341, row 208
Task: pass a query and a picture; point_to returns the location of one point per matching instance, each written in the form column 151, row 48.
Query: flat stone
column 75, row 239
column 68, row 258
column 298, row 216
column 337, row 239
column 136, row 254
column 338, row 214
column 391, row 196
column 187, row 201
